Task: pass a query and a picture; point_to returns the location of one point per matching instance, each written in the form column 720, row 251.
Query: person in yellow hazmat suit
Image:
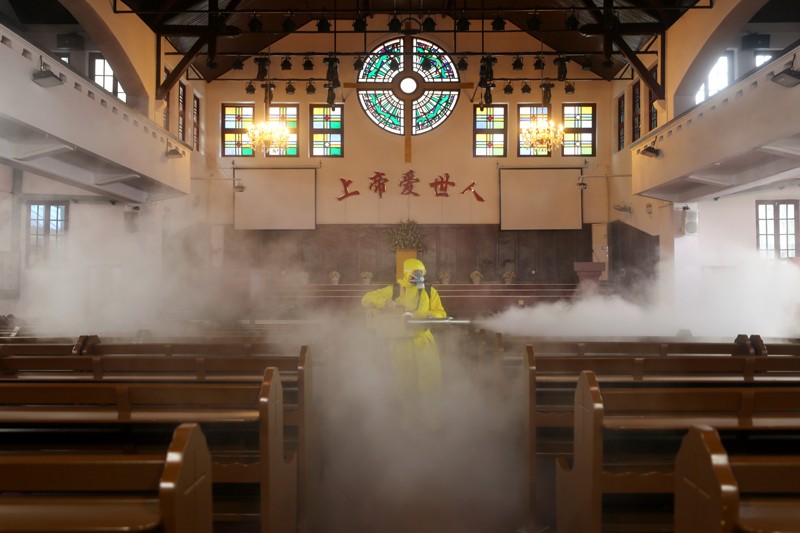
column 415, row 359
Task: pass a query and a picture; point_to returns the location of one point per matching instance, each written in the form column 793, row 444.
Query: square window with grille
column 236, row 118
column 777, row 228
column 327, row 131
column 490, row 130
column 579, row 130
column 528, row 115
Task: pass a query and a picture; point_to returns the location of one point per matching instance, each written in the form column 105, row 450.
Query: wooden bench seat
column 615, row 427
column 243, row 423
column 68, row 492
column 716, row 492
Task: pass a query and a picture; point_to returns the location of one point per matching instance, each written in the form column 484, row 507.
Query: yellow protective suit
column 415, row 360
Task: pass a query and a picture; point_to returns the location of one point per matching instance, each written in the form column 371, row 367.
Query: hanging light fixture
column 526, row 88
column 269, row 134
column 462, row 64
column 543, row 134
column 286, row 63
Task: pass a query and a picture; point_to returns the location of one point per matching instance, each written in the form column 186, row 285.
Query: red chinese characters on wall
column 377, row 184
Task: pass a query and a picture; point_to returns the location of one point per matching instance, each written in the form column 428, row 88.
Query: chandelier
column 543, row 134
column 268, row 135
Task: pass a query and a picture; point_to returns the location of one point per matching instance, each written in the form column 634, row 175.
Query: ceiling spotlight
column 290, row 87
column 569, row 88
column 539, row 63
column 263, row 67
column 517, row 63
column 395, row 26
column 462, row 24
column 238, row 63
column 250, row 88
column 429, row 25
column 571, row 22
column 498, row 24
column 462, row 63
column 393, row 64
column 426, row 63
column 255, row 23
column 508, row 89
column 360, row 24
column 534, row 22
column 323, row 25
column 358, row 64
column 286, row 63
column 526, row 88
column 308, row 63
column 310, row 87
column 546, row 92
column 289, row 25
column 561, row 66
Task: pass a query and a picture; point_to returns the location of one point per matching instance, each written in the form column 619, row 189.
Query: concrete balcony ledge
column 68, row 128
column 741, row 139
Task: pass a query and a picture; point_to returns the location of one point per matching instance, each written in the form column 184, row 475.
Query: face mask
column 417, row 278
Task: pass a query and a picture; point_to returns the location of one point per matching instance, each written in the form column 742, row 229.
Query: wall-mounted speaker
column 689, row 224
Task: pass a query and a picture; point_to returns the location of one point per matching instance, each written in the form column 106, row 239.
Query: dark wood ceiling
column 215, row 35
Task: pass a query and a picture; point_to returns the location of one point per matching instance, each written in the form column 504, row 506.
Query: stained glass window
column 490, row 131
column 636, row 111
column 528, row 115
column 579, row 129
column 327, row 131
column 621, row 122
column 236, row 118
column 285, row 114
column 408, row 85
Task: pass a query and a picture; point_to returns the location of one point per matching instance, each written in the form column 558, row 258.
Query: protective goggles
column 416, row 274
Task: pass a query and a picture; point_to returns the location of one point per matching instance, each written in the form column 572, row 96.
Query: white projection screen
column 281, row 198
column 540, row 199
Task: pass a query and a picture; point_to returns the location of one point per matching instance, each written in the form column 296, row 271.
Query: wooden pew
column 720, row 493
column 243, row 423
column 68, row 492
column 625, row 439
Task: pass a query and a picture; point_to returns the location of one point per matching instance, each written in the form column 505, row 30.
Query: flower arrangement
column 444, row 276
column 334, row 276
column 475, row 276
column 406, row 236
column 509, row 276
column 366, row 277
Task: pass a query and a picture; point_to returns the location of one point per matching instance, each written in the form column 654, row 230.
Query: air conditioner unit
column 689, row 222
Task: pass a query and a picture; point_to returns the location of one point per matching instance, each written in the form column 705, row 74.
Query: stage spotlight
column 508, row 89
column 534, row 22
column 290, row 89
column 255, row 24
column 462, row 63
column 498, row 24
column 360, row 24
column 539, row 63
column 569, row 88
column 526, row 88
column 289, row 25
column 286, row 63
column 393, row 64
column 395, row 26
column 358, row 64
column 308, row 63
column 250, row 88
column 323, row 25
column 517, row 63
column 429, row 25
column 310, row 87
column 462, row 24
